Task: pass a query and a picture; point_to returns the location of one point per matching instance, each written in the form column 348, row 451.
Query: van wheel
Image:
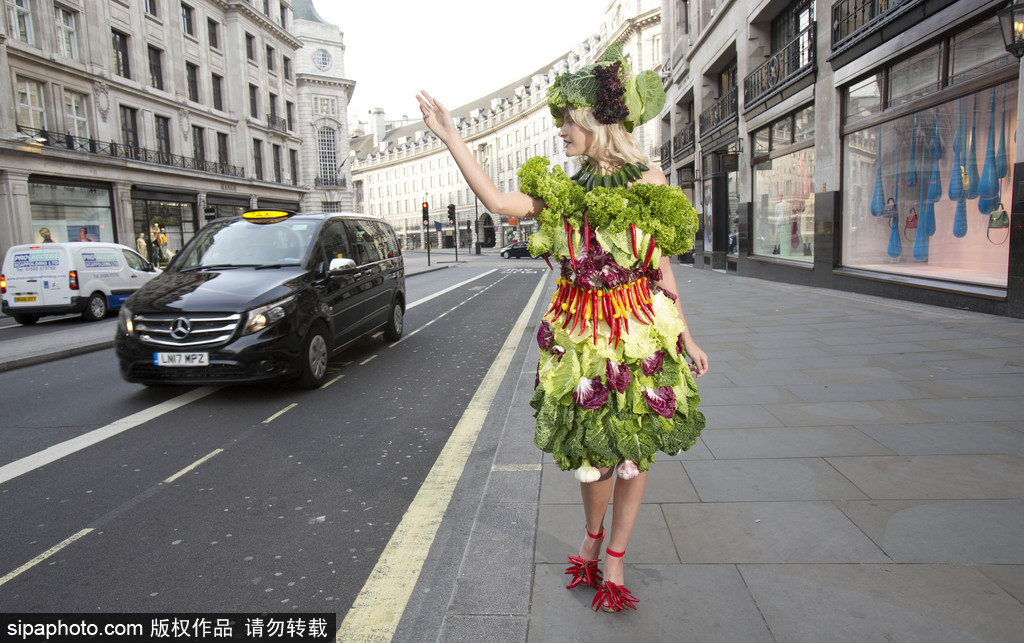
column 396, row 323
column 315, row 355
column 96, row 309
column 26, row 320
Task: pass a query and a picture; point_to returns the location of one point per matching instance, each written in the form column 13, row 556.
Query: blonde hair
column 612, row 144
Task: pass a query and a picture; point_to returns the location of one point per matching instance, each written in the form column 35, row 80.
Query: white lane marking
column 194, row 465
column 367, row 360
column 280, row 413
column 448, row 289
column 64, row 449
column 43, row 556
column 452, row 309
column 375, row 614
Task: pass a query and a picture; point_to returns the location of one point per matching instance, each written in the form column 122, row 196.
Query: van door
column 343, row 293
column 366, row 243
column 38, row 276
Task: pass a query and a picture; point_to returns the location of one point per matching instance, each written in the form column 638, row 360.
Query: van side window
column 387, row 243
column 335, row 241
column 362, row 241
column 135, row 262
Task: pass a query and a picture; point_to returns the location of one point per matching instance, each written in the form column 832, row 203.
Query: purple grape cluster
column 610, row 106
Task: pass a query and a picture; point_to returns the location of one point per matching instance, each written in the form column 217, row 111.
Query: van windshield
column 241, row 244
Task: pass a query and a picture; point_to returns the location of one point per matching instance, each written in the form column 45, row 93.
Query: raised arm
column 515, row 204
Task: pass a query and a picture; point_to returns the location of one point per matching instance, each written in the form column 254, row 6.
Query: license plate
column 25, row 299
column 181, row 359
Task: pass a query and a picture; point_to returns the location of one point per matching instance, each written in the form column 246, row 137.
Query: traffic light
column 426, row 214
column 451, row 214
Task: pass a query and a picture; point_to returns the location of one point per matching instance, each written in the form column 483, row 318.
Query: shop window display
column 70, row 212
column 924, row 194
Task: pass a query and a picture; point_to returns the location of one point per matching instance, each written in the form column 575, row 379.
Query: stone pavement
column 861, row 478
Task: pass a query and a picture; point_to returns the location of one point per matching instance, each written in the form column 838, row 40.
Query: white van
column 90, row 278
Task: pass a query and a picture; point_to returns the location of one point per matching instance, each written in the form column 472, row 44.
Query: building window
column 328, row 155
column 278, row 177
column 188, row 20
column 130, row 130
column 293, row 163
column 330, row 206
column 216, row 83
column 199, row 146
column 222, row 150
column 76, row 118
column 67, row 33
column 19, row 20
column 289, row 108
column 254, row 101
column 213, row 33
column 121, row 65
column 284, row 16
column 257, row 157
column 272, row 100
column 152, row 8
column 270, row 58
column 250, row 47
column 31, row 109
column 325, row 106
column 322, row 59
column 286, row 67
column 156, row 68
column 266, row 8
column 163, row 138
column 192, row 77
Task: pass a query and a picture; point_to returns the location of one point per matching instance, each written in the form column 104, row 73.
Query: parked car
column 518, row 249
column 89, row 277
column 271, row 295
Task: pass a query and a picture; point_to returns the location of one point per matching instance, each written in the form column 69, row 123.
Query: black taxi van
column 270, row 295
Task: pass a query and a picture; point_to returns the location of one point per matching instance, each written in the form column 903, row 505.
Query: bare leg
column 628, row 496
column 596, row 496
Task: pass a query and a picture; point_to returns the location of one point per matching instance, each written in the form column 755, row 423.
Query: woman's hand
column 436, row 117
column 699, row 359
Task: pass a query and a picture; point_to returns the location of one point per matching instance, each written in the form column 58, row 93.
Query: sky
column 457, row 51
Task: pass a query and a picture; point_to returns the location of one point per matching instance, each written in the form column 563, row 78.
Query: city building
column 859, row 145
column 136, row 121
column 397, row 170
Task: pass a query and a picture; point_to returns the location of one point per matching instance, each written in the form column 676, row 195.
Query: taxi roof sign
column 267, row 216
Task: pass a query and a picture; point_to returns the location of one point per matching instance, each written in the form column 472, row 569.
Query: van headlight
column 124, row 320
column 265, row 316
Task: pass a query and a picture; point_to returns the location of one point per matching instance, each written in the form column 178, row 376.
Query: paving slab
column 768, row 532
column 939, row 477
column 947, row 438
column 850, row 412
column 769, row 479
column 896, row 603
column 797, row 442
column 957, row 532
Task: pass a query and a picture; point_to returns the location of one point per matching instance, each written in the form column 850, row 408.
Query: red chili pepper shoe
column 585, row 572
column 611, row 597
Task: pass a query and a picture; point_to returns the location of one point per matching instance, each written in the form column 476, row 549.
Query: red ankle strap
column 598, row 536
column 615, row 554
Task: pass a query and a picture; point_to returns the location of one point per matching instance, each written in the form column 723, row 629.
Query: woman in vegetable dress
column 613, row 384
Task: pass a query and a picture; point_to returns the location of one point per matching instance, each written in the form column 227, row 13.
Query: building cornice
column 248, row 10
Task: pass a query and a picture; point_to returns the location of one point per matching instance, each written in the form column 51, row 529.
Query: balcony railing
column 666, row 155
column 682, row 142
column 722, row 112
column 330, row 182
column 849, row 16
column 133, row 152
column 278, row 123
column 793, row 60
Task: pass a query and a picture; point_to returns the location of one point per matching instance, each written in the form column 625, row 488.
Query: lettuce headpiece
column 608, row 87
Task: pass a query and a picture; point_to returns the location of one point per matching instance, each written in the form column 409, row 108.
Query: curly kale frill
column 659, row 211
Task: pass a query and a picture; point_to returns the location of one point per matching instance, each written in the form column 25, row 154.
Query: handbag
column 911, row 223
column 890, row 208
column 998, row 219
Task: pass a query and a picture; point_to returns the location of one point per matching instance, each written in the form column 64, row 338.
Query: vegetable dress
column 613, row 382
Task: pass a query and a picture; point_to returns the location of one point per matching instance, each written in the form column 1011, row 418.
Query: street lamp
column 1011, row 23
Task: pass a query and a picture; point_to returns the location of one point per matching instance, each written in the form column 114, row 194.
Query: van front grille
column 190, row 330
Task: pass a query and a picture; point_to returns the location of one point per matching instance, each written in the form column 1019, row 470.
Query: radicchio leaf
column 545, row 336
column 679, row 344
column 591, row 394
column 662, row 400
column 558, row 351
column 653, row 362
column 618, row 376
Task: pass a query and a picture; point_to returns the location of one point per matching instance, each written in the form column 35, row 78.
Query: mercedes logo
column 180, row 328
